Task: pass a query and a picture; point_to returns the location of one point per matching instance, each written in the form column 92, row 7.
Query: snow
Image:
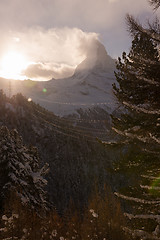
column 141, row 109
column 130, row 135
column 150, row 187
column 74, row 93
column 54, row 233
column 4, row 217
column 157, row 230
column 141, row 77
column 143, row 216
column 23, row 169
column 138, row 200
column 90, row 85
column 148, row 80
column 3, row 229
column 94, row 214
column 38, row 178
column 140, row 233
column 10, row 107
column 149, row 177
column 157, row 140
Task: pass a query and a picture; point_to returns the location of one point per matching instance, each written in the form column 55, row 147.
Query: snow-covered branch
column 131, row 135
column 141, row 109
column 138, row 200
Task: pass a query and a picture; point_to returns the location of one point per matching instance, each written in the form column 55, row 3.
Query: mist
column 106, row 17
column 52, row 53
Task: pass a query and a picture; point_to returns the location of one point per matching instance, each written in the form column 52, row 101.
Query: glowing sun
column 12, row 65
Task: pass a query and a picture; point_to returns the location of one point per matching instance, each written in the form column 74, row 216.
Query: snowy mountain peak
column 97, row 60
column 89, row 87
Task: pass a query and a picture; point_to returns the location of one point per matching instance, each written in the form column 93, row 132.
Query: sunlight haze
column 55, row 35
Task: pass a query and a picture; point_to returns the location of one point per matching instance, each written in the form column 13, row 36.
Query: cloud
column 107, row 17
column 71, row 13
column 50, row 53
column 48, row 31
column 42, row 71
column 55, row 45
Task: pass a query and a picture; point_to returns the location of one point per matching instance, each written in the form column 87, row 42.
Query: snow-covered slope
column 90, row 86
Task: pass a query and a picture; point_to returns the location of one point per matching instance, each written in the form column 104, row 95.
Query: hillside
column 79, row 163
column 75, row 157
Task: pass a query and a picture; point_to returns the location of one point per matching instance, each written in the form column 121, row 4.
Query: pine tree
column 20, row 172
column 155, row 3
column 138, row 90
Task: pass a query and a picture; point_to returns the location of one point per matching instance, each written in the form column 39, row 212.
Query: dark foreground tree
column 102, row 219
column 20, row 172
column 139, row 87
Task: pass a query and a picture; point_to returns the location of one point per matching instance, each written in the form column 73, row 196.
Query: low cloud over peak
column 51, row 53
column 48, row 31
column 41, row 71
column 103, row 16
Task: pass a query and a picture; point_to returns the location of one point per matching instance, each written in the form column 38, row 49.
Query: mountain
column 89, row 87
column 96, row 61
column 76, row 159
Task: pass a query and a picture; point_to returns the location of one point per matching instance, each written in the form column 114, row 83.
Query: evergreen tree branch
column 141, row 109
column 135, row 27
column 155, row 4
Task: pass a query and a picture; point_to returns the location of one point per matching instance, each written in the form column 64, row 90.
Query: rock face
column 90, row 86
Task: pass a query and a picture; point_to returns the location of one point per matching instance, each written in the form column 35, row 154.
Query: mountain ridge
column 88, row 87
column 99, row 59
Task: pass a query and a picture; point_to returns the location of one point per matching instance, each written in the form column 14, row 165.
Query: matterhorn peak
column 97, row 59
column 89, row 87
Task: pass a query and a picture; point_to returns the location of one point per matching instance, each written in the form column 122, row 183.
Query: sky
column 41, row 39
